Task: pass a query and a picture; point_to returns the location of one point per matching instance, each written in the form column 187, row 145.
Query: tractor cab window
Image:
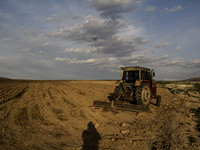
column 130, row 76
column 145, row 75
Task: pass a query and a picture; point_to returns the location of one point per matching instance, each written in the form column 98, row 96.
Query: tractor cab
column 139, row 74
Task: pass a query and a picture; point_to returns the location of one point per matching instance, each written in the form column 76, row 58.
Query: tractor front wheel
column 117, row 93
column 143, row 94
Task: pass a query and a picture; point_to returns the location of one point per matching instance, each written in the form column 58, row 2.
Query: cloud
column 162, row 45
column 56, row 34
column 192, row 64
column 5, row 39
column 80, row 50
column 175, row 61
column 174, row 9
column 82, row 17
column 48, row 19
column 178, row 48
column 142, row 58
column 113, row 8
column 106, row 63
column 94, row 29
column 82, row 61
column 25, row 49
column 40, row 52
column 141, row 40
column 61, row 59
column 31, row 32
column 45, row 44
column 181, row 63
column 75, row 61
column 150, row 8
column 117, row 46
column 113, row 63
column 56, row 18
column 102, row 35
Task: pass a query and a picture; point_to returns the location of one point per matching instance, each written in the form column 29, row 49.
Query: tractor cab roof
column 133, row 68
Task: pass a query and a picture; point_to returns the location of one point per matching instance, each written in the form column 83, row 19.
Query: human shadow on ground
column 90, row 138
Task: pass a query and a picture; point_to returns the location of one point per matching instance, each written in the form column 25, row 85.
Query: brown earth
column 59, row 115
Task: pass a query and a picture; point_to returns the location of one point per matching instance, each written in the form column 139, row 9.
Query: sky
column 92, row 39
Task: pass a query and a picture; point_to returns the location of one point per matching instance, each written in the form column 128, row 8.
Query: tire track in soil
column 66, row 111
column 63, row 113
column 73, row 105
column 171, row 124
column 164, row 131
column 54, row 93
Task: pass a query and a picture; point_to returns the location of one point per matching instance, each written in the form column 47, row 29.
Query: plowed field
column 11, row 89
column 58, row 115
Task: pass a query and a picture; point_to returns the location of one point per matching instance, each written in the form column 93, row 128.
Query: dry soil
column 59, row 115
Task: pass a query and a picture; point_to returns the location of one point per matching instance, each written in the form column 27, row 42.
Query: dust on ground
column 59, row 115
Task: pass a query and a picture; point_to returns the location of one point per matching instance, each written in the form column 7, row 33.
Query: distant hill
column 193, row 79
column 2, row 78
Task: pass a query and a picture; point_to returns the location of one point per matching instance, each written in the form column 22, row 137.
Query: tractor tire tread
column 138, row 92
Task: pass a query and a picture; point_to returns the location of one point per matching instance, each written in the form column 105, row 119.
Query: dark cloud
column 94, row 29
column 141, row 40
column 113, row 8
column 115, row 46
column 103, row 35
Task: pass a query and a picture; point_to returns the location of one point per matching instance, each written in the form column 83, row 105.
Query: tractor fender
column 138, row 82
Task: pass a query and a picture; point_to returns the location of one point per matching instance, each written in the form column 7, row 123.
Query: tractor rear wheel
column 143, row 94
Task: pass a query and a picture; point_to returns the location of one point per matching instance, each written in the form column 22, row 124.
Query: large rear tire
column 143, row 94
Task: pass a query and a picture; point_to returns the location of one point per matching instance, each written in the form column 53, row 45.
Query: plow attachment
column 121, row 106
